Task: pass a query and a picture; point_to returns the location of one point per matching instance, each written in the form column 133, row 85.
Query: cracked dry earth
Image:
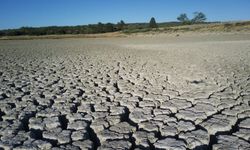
column 187, row 92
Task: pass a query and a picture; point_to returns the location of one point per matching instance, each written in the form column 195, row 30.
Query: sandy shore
column 167, row 91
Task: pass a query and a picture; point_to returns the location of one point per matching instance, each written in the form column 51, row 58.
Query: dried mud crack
column 126, row 93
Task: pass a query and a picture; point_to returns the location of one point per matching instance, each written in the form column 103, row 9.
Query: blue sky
column 18, row 13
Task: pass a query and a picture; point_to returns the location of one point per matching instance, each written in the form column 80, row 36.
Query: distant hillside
column 243, row 26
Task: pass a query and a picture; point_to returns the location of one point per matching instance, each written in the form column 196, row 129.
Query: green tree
column 183, row 18
column 109, row 27
column 152, row 23
column 121, row 25
column 100, row 27
column 199, row 17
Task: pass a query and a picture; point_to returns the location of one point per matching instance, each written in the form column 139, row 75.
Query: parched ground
column 190, row 91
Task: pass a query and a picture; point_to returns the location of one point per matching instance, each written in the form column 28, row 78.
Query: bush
column 121, row 25
column 228, row 25
column 242, row 23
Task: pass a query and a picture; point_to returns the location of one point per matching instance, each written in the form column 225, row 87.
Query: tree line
column 53, row 30
column 199, row 17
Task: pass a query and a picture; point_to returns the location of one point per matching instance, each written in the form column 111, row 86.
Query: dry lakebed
column 190, row 91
